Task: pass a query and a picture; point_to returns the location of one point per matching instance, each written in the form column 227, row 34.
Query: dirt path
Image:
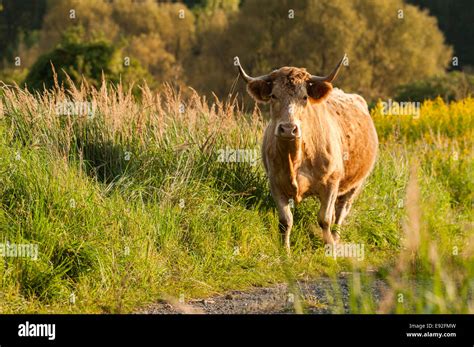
column 319, row 296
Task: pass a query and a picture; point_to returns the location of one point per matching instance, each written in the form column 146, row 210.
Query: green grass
column 132, row 205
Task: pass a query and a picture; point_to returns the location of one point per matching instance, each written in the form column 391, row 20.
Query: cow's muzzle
column 288, row 131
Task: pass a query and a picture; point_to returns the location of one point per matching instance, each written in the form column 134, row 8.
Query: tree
column 159, row 36
column 95, row 17
column 402, row 44
column 18, row 21
column 77, row 58
column 152, row 54
column 384, row 50
column 455, row 20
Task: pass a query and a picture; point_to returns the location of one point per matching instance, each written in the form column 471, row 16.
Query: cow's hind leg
column 343, row 206
column 326, row 215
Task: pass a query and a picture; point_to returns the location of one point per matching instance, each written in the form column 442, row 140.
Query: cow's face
column 290, row 91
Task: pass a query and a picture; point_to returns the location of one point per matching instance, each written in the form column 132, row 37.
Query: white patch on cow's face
column 286, row 108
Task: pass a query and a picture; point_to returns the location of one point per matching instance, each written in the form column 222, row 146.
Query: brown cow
column 320, row 141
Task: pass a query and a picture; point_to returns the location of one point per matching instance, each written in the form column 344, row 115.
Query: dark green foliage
column 451, row 86
column 454, row 18
column 18, row 19
column 77, row 58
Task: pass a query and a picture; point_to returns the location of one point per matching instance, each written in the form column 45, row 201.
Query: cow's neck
column 289, row 154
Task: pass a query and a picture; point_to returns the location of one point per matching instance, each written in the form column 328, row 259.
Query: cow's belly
column 350, row 181
column 312, row 181
column 359, row 167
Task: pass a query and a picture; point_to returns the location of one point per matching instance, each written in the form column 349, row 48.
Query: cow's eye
column 273, row 96
column 305, row 97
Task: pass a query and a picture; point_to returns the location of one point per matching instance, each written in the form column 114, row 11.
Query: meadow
column 131, row 204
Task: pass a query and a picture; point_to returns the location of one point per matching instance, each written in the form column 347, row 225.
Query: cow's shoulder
column 339, row 100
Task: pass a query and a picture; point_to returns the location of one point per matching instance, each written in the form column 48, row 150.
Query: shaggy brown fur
column 333, row 154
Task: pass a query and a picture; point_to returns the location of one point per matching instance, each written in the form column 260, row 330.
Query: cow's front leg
column 285, row 217
column 327, row 211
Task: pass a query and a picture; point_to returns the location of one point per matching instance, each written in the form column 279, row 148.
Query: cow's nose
column 289, row 130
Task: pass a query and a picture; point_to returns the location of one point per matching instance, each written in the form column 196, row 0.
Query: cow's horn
column 329, row 78
column 248, row 78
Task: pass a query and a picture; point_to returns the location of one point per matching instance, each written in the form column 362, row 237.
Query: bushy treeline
column 453, row 17
column 193, row 43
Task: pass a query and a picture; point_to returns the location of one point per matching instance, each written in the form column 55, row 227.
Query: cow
column 319, row 142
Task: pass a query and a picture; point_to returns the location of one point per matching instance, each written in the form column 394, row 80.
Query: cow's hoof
column 336, row 233
column 327, row 238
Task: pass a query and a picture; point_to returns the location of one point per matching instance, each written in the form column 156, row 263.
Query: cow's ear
column 260, row 90
column 318, row 91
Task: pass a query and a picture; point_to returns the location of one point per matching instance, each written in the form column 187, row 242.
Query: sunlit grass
column 132, row 205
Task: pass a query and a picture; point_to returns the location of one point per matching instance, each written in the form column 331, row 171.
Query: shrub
column 80, row 59
column 451, row 86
